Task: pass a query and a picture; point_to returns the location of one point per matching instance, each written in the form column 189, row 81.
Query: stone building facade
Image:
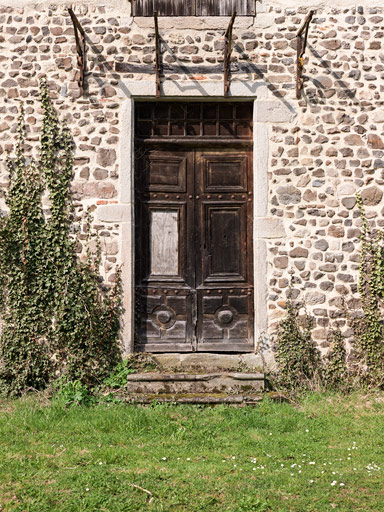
column 310, row 155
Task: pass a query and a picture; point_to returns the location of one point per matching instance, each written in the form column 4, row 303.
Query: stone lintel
column 193, row 88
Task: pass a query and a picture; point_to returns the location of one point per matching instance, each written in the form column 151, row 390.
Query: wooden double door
column 194, row 278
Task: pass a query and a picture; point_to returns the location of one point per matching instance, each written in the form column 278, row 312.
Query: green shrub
column 298, row 360
column 58, row 318
column 73, row 393
column 336, row 372
column 133, row 364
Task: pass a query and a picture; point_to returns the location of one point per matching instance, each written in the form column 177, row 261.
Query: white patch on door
column 164, row 243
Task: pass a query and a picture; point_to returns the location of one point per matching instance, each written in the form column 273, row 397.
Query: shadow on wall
column 176, row 66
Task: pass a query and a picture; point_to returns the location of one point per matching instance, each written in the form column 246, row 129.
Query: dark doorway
column 193, row 217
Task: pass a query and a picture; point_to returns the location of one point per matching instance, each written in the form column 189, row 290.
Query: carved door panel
column 193, row 250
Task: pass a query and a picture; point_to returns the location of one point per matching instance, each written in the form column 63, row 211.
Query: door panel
column 225, row 174
column 167, row 172
column 164, row 320
column 225, row 320
column 163, row 242
column 164, row 236
column 224, row 258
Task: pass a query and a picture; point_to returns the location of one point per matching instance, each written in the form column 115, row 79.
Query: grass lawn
column 325, row 454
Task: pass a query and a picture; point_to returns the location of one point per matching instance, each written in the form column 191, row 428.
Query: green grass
column 273, row 457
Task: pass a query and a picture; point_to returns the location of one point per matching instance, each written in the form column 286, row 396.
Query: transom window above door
column 194, row 7
column 190, row 119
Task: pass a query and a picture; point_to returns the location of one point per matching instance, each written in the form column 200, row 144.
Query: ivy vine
column 58, row 317
column 369, row 329
column 298, row 359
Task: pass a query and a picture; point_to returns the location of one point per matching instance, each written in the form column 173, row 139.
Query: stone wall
column 332, row 147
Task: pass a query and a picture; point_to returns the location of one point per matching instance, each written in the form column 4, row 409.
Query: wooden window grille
column 194, row 7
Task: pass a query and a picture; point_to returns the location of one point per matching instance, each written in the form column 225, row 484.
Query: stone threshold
column 181, row 384
column 194, row 377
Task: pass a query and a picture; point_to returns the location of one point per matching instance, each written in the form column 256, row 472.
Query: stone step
column 231, row 383
column 197, row 398
column 200, row 398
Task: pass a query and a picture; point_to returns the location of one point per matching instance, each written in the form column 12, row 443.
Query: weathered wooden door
column 194, row 280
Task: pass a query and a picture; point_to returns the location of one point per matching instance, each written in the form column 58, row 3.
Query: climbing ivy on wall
column 299, row 364
column 298, row 359
column 369, row 329
column 58, row 319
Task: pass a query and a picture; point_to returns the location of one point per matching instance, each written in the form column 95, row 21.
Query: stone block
column 273, row 111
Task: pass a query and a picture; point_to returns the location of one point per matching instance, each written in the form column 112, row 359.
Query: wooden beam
column 158, row 91
column 301, row 46
column 80, row 47
column 227, row 54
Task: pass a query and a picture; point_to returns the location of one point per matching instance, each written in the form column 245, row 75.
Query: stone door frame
column 266, row 111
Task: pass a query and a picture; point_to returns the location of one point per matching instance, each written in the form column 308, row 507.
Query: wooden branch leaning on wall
column 80, row 47
column 301, row 46
column 227, row 54
column 158, row 64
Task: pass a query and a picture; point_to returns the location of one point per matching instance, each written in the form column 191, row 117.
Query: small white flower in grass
column 299, row 470
column 322, row 472
column 233, row 457
column 311, row 463
column 334, row 483
column 100, row 463
column 188, row 459
column 354, row 469
column 87, row 489
column 164, row 458
column 235, row 465
column 306, row 430
column 341, row 485
column 254, row 469
column 270, row 433
column 292, row 474
column 311, row 481
column 282, row 465
column 178, row 458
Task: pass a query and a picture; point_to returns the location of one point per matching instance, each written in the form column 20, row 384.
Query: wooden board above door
column 194, row 7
